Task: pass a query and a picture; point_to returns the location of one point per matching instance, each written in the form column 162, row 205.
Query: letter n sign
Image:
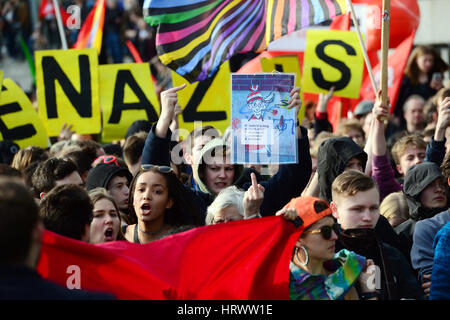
column 67, row 90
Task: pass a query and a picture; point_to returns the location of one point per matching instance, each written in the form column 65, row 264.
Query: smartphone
column 437, row 76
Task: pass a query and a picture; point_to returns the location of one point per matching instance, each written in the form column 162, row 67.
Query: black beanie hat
column 138, row 125
column 103, row 173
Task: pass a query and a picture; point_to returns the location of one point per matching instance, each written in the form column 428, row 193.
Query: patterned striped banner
column 194, row 37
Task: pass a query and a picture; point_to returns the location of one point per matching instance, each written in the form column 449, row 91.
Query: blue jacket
column 440, row 277
column 422, row 252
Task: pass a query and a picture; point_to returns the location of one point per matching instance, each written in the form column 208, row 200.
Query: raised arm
column 291, row 179
column 157, row 145
column 382, row 171
column 321, row 122
column 436, row 148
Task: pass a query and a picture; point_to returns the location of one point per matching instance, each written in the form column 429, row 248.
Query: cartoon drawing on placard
column 257, row 104
column 263, row 125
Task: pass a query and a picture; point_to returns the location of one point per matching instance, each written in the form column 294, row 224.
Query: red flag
column 396, row 65
column 47, row 9
column 341, row 22
column 404, row 19
column 247, row 259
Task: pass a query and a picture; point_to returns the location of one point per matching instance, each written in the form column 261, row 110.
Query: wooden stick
column 62, row 34
column 386, row 17
column 363, row 46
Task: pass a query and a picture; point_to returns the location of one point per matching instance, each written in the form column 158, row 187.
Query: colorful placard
column 263, row 127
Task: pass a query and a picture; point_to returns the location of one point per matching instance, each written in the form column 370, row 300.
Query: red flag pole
column 136, row 56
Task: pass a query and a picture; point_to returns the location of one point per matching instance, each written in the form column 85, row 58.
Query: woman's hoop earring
column 303, row 264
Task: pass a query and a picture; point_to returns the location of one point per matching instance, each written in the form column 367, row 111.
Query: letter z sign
column 333, row 58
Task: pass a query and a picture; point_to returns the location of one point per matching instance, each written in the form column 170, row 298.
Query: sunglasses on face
column 162, row 169
column 326, row 231
column 107, row 160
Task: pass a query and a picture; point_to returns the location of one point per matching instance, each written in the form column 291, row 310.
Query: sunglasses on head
column 326, row 231
column 106, row 159
column 162, row 169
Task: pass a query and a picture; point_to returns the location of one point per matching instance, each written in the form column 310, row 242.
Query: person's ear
column 169, row 203
column 399, row 169
column 334, row 210
column 448, row 181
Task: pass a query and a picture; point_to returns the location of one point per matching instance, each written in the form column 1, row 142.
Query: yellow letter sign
column 332, row 58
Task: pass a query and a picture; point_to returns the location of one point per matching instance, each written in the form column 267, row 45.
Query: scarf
column 346, row 267
column 365, row 242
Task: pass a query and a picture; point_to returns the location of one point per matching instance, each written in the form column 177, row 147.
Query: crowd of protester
column 374, row 192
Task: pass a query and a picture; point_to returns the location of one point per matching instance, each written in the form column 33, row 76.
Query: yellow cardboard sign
column 287, row 64
column 126, row 95
column 207, row 101
column 19, row 121
column 333, row 58
column 67, row 90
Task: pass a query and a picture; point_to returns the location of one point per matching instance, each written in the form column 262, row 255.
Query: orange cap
column 309, row 209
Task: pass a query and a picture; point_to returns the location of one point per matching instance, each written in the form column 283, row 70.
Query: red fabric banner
column 247, row 259
column 396, row 66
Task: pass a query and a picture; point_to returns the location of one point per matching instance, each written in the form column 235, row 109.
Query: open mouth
column 145, row 209
column 109, row 234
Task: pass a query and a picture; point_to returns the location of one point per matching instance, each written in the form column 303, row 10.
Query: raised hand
column 443, row 120
column 289, row 214
column 253, row 198
column 294, row 100
column 169, row 106
column 65, row 133
column 380, row 111
column 169, row 102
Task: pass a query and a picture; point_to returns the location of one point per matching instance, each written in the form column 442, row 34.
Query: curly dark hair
column 45, row 176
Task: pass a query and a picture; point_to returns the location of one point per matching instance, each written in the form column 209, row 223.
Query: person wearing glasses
column 316, row 272
column 160, row 203
column 114, row 178
column 356, row 207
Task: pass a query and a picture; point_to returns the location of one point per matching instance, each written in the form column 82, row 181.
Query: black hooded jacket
column 332, row 159
column 417, row 178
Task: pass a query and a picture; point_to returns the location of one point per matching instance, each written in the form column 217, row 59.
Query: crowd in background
column 398, row 163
